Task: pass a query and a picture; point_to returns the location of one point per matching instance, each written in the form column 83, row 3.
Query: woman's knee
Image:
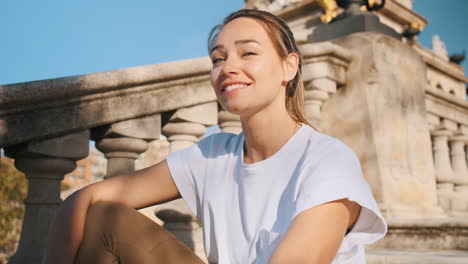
column 111, row 210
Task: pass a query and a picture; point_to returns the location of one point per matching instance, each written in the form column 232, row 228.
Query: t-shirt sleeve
column 337, row 176
column 187, row 167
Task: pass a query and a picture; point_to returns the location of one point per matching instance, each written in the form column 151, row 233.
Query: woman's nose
column 231, row 66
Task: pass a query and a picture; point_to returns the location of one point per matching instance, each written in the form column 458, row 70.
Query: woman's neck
column 266, row 133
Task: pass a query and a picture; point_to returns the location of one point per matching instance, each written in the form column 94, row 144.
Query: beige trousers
column 115, row 234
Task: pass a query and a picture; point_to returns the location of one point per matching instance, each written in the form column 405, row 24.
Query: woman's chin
column 235, row 109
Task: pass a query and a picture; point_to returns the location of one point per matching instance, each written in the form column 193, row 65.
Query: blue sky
column 55, row 38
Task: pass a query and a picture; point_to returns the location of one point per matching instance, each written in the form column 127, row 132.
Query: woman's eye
column 217, row 60
column 249, row 53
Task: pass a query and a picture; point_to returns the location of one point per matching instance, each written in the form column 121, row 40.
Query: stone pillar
column 187, row 125
column 316, row 93
column 459, row 203
column 324, row 70
column 442, row 164
column 45, row 163
column 177, row 218
column 229, row 123
column 443, row 168
column 458, row 157
column 122, row 142
column 183, row 134
column 179, row 224
column 381, row 115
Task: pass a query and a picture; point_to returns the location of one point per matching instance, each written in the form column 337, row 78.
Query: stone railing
column 46, row 125
column 448, row 121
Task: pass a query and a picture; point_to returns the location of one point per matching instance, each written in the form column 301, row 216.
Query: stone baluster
column 324, row 70
column 187, row 125
column 316, row 93
column 122, row 142
column 229, row 123
column 443, row 168
column 444, row 172
column 45, row 163
column 458, row 156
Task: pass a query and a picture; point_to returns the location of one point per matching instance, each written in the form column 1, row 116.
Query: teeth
column 234, row 86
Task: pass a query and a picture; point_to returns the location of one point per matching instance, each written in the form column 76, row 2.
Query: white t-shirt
column 246, row 209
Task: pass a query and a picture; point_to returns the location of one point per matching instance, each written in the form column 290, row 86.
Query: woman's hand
column 315, row 235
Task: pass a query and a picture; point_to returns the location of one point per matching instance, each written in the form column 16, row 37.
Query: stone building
column 399, row 106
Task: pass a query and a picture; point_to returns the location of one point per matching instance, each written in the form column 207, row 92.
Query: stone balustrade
column 45, row 163
column 324, row 70
column 46, row 127
column 447, row 121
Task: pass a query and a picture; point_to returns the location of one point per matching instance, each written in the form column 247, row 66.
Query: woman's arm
column 315, row 234
column 140, row 189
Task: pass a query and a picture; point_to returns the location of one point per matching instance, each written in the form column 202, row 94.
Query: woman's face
column 247, row 72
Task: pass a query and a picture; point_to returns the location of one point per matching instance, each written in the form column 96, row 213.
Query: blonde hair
column 284, row 43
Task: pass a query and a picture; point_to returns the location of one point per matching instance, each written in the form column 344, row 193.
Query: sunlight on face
column 247, row 72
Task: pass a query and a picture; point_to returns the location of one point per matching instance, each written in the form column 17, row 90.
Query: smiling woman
column 280, row 192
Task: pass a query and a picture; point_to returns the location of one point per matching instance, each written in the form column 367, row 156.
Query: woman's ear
column 290, row 66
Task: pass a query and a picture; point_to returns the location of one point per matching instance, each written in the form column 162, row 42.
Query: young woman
column 280, row 192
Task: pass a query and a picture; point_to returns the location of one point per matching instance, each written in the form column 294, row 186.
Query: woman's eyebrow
column 243, row 41
column 237, row 42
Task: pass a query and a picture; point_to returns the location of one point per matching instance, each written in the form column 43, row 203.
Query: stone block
column 381, row 115
column 448, row 124
column 73, row 146
column 144, row 128
column 426, row 234
column 432, row 120
column 206, row 114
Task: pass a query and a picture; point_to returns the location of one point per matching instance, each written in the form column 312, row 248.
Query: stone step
column 375, row 256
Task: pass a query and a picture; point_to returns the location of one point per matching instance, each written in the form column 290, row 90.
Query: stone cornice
column 325, row 49
column 325, row 60
column 49, row 108
column 446, row 67
column 446, row 106
column 401, row 14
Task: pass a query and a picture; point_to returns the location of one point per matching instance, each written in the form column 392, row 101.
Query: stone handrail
column 42, row 109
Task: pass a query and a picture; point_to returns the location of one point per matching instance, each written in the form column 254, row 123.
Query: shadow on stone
column 180, row 225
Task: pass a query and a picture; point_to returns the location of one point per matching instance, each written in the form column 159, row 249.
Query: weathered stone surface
column 205, row 114
column 72, row 146
column 148, row 128
column 381, row 115
column 325, row 61
column 443, row 105
column 191, row 234
column 49, row 108
column 229, row 123
column 425, row 234
column 416, row 257
column 45, row 163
